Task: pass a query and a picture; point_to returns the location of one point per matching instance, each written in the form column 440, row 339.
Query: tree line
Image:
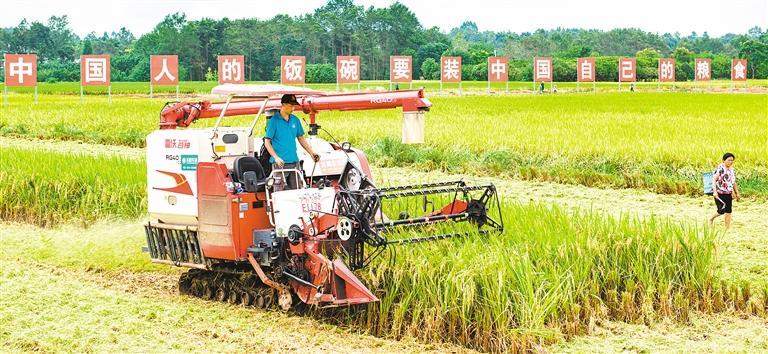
column 342, row 28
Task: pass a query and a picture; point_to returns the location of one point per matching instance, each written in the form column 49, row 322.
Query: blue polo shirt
column 283, row 134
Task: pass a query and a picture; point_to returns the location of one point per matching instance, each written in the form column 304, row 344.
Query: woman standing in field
column 725, row 189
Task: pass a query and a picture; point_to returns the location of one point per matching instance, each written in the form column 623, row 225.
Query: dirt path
column 72, row 296
column 47, row 308
column 74, row 147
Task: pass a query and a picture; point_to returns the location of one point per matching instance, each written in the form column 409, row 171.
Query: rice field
column 549, row 277
column 657, row 141
column 545, row 279
column 48, row 188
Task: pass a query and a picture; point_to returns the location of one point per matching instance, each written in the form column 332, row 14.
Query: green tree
column 430, row 69
column 648, row 64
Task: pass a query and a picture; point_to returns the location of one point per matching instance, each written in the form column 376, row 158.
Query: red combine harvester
column 216, row 205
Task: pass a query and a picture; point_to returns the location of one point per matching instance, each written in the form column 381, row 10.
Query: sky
column 658, row 16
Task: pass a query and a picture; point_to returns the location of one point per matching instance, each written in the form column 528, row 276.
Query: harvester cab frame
column 214, row 208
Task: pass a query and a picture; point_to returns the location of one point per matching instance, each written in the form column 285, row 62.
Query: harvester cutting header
column 217, row 205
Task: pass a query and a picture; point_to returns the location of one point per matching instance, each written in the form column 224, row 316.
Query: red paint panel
column 231, row 69
column 20, row 69
column 95, row 70
column 164, row 69
column 293, row 69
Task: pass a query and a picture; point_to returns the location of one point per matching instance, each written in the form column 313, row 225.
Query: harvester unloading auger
column 217, row 207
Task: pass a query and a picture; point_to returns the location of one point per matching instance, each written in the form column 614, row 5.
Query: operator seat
column 246, row 164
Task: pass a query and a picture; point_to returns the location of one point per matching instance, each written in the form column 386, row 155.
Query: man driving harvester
column 280, row 140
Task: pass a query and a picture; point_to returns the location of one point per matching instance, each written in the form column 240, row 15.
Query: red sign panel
column 164, row 69
column 231, row 69
column 666, row 70
column 400, row 68
column 586, row 70
column 739, row 69
column 498, row 69
column 293, row 69
column 347, row 69
column 450, row 69
column 542, row 69
column 95, row 70
column 703, row 70
column 627, row 70
column 20, row 69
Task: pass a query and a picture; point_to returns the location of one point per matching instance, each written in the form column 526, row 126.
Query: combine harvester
column 216, row 205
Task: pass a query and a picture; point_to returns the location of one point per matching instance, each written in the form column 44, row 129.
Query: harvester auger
column 216, row 205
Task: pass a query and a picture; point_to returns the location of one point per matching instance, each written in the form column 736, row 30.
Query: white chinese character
column 498, row 68
column 667, row 69
column 451, row 69
column 627, row 71
column 402, row 68
column 95, row 69
column 586, row 70
column 293, row 69
column 542, row 69
column 231, row 70
column 348, row 70
column 21, row 69
column 165, row 72
column 740, row 71
column 702, row 69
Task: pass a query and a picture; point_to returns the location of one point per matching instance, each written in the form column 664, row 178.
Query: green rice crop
column 659, row 141
column 549, row 275
column 47, row 188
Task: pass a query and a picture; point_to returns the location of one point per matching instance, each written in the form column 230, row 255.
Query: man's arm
column 268, row 144
column 308, row 148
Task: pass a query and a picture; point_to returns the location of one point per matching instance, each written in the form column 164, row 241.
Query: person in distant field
column 725, row 189
column 541, row 87
column 554, row 88
column 283, row 129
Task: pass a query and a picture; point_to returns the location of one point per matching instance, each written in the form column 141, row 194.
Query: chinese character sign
column 231, row 69
column 627, row 70
column 347, row 69
column 498, row 69
column 400, row 69
column 164, row 69
column 20, row 69
column 542, row 69
column 738, row 69
column 666, row 70
column 292, row 69
column 586, row 71
column 703, row 69
column 94, row 70
column 450, row 69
